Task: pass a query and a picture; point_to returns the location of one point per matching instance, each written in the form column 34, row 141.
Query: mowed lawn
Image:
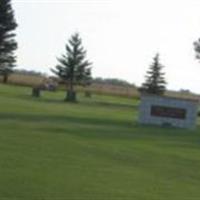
column 95, row 149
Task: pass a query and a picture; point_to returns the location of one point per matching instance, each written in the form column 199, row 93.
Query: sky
column 121, row 36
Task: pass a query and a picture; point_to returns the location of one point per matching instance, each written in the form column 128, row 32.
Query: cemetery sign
column 162, row 110
column 165, row 111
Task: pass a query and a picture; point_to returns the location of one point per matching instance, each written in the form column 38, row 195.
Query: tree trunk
column 5, row 78
column 36, row 92
column 71, row 94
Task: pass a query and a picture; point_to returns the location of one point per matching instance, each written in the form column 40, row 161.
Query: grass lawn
column 93, row 150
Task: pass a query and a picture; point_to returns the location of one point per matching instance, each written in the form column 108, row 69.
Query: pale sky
column 121, row 36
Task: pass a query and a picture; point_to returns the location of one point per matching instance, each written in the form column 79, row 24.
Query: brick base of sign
column 168, row 111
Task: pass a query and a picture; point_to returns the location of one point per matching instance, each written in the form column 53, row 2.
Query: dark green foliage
column 7, row 42
column 155, row 82
column 73, row 68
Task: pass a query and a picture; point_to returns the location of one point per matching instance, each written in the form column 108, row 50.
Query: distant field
column 33, row 80
column 106, row 89
column 52, row 150
column 24, row 80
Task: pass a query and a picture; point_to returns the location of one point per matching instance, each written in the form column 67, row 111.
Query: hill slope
column 91, row 150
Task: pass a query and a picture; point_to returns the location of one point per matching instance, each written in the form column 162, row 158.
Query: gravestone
column 168, row 111
column 36, row 91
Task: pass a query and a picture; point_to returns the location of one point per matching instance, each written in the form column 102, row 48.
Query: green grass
column 52, row 150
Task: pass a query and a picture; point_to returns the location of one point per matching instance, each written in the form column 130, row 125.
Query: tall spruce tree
column 155, row 82
column 73, row 68
column 7, row 42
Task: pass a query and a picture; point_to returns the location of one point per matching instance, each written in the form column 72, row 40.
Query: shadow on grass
column 91, row 127
column 85, row 103
column 109, row 104
column 125, row 124
column 40, row 99
column 64, row 118
column 80, row 101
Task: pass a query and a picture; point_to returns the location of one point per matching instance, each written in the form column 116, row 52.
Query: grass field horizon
column 94, row 149
column 28, row 80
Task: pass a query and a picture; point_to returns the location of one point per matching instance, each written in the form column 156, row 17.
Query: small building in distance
column 168, row 111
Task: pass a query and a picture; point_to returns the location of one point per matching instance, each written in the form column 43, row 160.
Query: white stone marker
column 168, row 111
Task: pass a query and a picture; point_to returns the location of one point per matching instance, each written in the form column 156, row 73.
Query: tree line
column 112, row 81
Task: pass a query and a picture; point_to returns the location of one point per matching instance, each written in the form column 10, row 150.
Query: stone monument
column 168, row 111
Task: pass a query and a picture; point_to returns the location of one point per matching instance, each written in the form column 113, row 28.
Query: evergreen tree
column 155, row 82
column 73, row 68
column 7, row 41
